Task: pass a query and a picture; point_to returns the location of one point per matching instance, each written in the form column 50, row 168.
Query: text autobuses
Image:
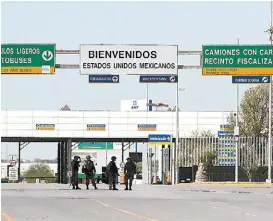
column 18, row 51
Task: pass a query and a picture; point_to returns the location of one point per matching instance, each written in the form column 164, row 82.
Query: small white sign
column 46, row 69
column 236, row 131
column 13, row 174
column 129, row 59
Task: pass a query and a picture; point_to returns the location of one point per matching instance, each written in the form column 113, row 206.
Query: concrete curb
column 247, row 184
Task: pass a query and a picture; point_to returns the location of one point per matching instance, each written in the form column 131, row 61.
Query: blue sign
column 103, row 78
column 158, row 79
column 227, row 162
column 159, row 139
column 250, row 79
column 224, row 133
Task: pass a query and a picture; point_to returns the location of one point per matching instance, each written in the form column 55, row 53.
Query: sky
column 69, row 24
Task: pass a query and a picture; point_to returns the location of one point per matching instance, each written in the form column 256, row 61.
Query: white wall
column 118, row 124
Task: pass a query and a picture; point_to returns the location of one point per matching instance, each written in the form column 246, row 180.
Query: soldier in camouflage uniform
column 112, row 173
column 130, row 171
column 90, row 171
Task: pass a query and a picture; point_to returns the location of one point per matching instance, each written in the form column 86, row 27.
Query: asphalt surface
column 56, row 202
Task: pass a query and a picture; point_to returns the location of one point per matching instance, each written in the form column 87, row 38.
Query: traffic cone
column 123, row 178
column 155, row 180
column 169, row 179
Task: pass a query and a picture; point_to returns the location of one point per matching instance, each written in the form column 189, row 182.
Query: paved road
column 56, row 202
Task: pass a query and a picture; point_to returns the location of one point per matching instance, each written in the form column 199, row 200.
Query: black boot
column 78, row 188
column 126, row 188
column 114, row 187
column 130, row 188
column 73, row 188
column 87, row 187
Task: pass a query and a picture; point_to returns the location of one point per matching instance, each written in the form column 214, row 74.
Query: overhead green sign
column 27, row 58
column 237, row 60
column 96, row 145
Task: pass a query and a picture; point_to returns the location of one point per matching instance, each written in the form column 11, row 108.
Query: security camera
column 234, row 114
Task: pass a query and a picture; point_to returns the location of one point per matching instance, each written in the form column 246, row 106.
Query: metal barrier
column 251, row 149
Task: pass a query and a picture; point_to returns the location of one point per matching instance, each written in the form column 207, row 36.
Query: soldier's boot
column 130, row 187
column 87, row 187
column 126, row 187
column 78, row 188
column 114, row 187
column 94, row 185
column 73, row 187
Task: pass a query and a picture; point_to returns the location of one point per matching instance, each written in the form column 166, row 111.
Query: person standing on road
column 90, row 171
column 75, row 163
column 130, row 171
column 112, row 172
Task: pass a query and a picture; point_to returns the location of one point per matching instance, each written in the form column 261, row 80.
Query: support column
column 122, row 151
column 19, row 161
column 145, row 166
column 59, row 163
column 62, row 161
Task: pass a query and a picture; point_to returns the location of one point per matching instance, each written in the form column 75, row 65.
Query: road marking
column 6, row 216
column 127, row 212
column 250, row 214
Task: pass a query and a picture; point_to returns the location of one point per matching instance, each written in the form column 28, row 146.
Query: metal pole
column 237, row 136
column 106, row 154
column 269, row 180
column 147, row 97
column 176, row 156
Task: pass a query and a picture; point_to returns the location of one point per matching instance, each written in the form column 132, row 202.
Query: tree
column 208, row 160
column 195, row 146
column 249, row 163
column 253, row 117
column 203, row 133
column 39, row 170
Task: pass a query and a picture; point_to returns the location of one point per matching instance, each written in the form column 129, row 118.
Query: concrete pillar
column 159, row 158
column 145, row 165
column 59, row 163
column 69, row 157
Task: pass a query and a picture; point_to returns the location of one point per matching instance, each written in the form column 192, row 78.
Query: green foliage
column 208, row 160
column 253, row 117
column 39, row 170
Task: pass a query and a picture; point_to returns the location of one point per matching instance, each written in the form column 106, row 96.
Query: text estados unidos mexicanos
column 16, row 52
column 252, row 56
column 125, row 65
column 128, row 65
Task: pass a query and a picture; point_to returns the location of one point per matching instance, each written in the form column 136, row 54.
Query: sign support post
column 176, row 156
column 269, row 152
column 235, row 131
